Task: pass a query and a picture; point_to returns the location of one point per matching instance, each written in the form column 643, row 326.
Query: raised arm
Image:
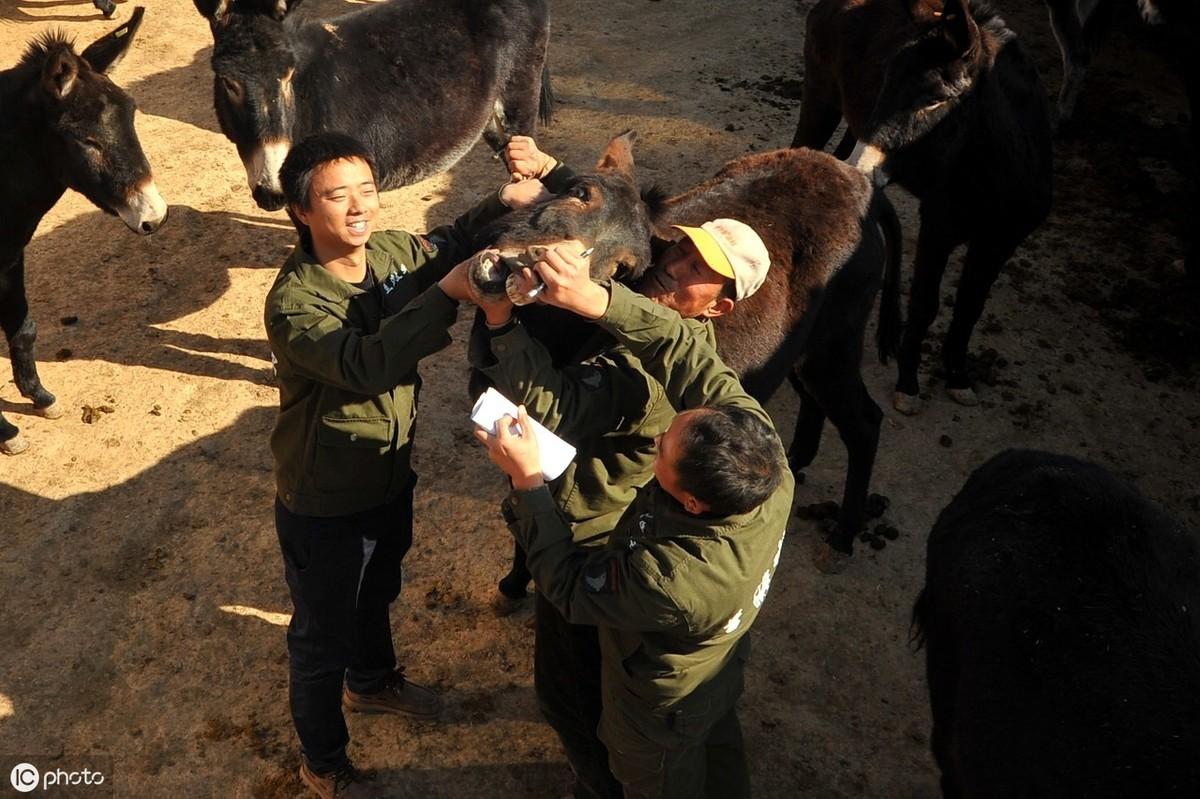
column 577, row 402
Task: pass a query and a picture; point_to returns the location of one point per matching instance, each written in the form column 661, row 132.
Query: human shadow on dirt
column 126, row 627
column 101, row 293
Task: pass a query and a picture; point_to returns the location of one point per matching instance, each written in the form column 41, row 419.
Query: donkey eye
column 579, row 192
column 92, row 144
column 232, row 88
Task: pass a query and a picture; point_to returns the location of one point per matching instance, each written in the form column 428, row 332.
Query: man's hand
column 515, row 452
column 457, row 283
column 525, row 160
column 565, row 271
column 518, row 196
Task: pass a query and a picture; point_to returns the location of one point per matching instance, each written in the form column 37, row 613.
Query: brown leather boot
column 344, row 783
column 400, row 696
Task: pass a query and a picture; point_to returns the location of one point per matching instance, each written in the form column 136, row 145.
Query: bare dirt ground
column 141, row 588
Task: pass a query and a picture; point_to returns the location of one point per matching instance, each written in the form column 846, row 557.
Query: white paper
column 556, row 454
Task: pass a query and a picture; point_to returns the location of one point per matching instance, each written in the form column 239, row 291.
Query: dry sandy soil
column 141, row 589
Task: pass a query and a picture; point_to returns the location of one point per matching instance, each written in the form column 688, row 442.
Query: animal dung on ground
column 818, row 510
column 63, row 354
column 946, row 441
column 877, row 504
column 68, row 320
column 92, row 414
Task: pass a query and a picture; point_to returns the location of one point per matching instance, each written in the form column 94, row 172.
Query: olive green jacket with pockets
column 604, row 404
column 672, row 593
column 346, row 364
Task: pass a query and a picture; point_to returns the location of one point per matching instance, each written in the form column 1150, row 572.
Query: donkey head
column 925, row 80
column 602, row 209
column 91, row 144
column 253, row 63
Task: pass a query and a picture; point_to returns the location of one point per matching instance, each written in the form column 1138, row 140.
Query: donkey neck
column 30, row 188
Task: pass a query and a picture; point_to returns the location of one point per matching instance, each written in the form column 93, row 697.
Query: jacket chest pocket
column 352, row 452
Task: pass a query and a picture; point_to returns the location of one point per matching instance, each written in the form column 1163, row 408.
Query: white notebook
column 556, row 454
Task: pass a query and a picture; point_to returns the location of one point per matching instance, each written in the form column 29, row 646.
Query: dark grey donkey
column 944, row 101
column 418, row 81
column 65, row 125
column 1059, row 619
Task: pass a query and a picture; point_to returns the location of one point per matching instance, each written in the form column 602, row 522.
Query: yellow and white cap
column 732, row 248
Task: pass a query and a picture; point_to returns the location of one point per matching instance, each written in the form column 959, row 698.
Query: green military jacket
column 606, row 405
column 346, row 363
column 672, row 593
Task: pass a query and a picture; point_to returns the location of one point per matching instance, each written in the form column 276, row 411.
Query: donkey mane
column 45, row 45
column 990, row 22
column 655, row 198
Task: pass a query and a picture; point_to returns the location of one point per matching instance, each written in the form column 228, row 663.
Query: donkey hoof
column 15, row 445
column 51, row 411
column 829, row 560
column 908, row 404
column 964, row 396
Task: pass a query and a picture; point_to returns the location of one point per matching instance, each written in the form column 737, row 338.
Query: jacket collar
column 326, row 285
column 675, row 520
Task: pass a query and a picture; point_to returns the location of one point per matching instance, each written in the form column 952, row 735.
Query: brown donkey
column 829, row 236
column 944, row 101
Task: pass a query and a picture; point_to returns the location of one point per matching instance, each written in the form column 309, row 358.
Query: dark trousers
column 566, row 678
column 342, row 572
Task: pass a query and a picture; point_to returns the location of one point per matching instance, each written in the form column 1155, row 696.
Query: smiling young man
column 679, row 580
column 349, row 317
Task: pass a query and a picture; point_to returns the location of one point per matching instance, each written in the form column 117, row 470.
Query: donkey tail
column 546, row 99
column 887, row 333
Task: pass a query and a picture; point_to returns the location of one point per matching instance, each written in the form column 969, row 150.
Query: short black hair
column 730, row 459
column 296, row 173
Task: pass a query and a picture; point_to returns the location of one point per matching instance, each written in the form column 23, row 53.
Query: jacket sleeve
column 687, row 366
column 620, row 588
column 316, row 344
column 578, row 402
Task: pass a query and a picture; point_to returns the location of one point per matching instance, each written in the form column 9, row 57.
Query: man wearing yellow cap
column 612, row 409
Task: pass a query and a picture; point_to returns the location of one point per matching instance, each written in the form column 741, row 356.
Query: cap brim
column 709, row 250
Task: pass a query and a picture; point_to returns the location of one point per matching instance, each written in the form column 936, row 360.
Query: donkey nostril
column 147, row 227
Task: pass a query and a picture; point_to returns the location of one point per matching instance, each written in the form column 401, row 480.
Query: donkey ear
column 107, row 51
column 618, row 156
column 215, row 11
column 959, row 27
column 59, row 73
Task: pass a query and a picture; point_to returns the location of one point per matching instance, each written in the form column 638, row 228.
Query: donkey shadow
column 183, row 93
column 14, row 10
column 100, row 294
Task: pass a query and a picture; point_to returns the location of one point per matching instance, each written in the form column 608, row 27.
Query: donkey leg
column 833, row 377
column 513, row 584
column 820, row 107
column 810, row 420
column 981, row 267
column 21, row 333
column 1076, row 56
column 933, row 250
